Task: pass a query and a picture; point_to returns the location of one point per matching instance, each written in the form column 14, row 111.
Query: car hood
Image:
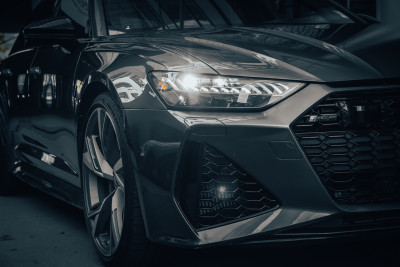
column 275, row 53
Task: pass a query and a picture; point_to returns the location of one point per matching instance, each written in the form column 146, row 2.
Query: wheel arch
column 86, row 92
column 88, row 96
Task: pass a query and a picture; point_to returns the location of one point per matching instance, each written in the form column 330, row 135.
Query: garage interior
column 37, row 230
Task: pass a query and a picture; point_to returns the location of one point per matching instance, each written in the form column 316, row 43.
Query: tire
column 8, row 182
column 111, row 202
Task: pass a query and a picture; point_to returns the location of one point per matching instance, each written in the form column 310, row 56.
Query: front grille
column 353, row 143
column 216, row 191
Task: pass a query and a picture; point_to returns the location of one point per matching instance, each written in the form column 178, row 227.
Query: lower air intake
column 224, row 193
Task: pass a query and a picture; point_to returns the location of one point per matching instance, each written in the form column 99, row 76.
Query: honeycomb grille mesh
column 228, row 193
column 353, row 143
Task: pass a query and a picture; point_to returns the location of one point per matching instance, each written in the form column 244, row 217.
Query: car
column 205, row 123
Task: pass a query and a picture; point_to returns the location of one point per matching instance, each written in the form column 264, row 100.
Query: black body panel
column 269, row 163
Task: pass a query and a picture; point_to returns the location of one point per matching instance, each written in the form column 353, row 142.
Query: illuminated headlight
column 180, row 89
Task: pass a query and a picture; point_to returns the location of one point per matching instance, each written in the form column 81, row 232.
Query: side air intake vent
column 218, row 191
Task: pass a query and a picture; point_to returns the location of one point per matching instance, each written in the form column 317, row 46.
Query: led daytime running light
column 180, row 89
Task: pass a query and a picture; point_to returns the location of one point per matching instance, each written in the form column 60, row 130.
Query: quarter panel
column 124, row 75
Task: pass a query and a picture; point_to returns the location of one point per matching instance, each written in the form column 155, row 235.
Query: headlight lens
column 180, row 89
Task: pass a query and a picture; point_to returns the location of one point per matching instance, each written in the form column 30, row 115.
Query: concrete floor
column 38, row 230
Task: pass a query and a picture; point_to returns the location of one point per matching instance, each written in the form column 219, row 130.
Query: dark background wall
column 367, row 7
column 15, row 14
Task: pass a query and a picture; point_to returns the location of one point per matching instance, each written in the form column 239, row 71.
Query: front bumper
column 264, row 146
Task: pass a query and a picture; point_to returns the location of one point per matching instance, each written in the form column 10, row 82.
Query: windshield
column 124, row 16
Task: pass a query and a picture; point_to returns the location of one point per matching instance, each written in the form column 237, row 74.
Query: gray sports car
column 197, row 123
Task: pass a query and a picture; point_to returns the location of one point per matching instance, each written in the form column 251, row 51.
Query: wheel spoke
column 117, row 173
column 102, row 215
column 117, row 207
column 88, row 161
column 118, row 166
column 99, row 164
column 101, row 116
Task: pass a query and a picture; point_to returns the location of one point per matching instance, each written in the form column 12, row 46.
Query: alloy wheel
column 103, row 181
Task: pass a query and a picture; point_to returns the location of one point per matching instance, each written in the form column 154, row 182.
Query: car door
column 61, row 40
column 16, row 100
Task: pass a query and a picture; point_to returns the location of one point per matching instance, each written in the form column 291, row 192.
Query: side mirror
column 52, row 28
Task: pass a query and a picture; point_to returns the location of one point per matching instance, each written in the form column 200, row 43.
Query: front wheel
column 112, row 209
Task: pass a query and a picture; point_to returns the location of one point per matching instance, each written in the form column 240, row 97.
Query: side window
column 123, row 16
column 192, row 16
column 77, row 11
column 129, row 16
column 45, row 9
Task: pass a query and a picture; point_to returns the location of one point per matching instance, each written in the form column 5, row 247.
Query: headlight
column 189, row 90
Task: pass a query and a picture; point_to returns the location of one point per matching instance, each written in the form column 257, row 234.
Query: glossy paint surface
column 47, row 88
